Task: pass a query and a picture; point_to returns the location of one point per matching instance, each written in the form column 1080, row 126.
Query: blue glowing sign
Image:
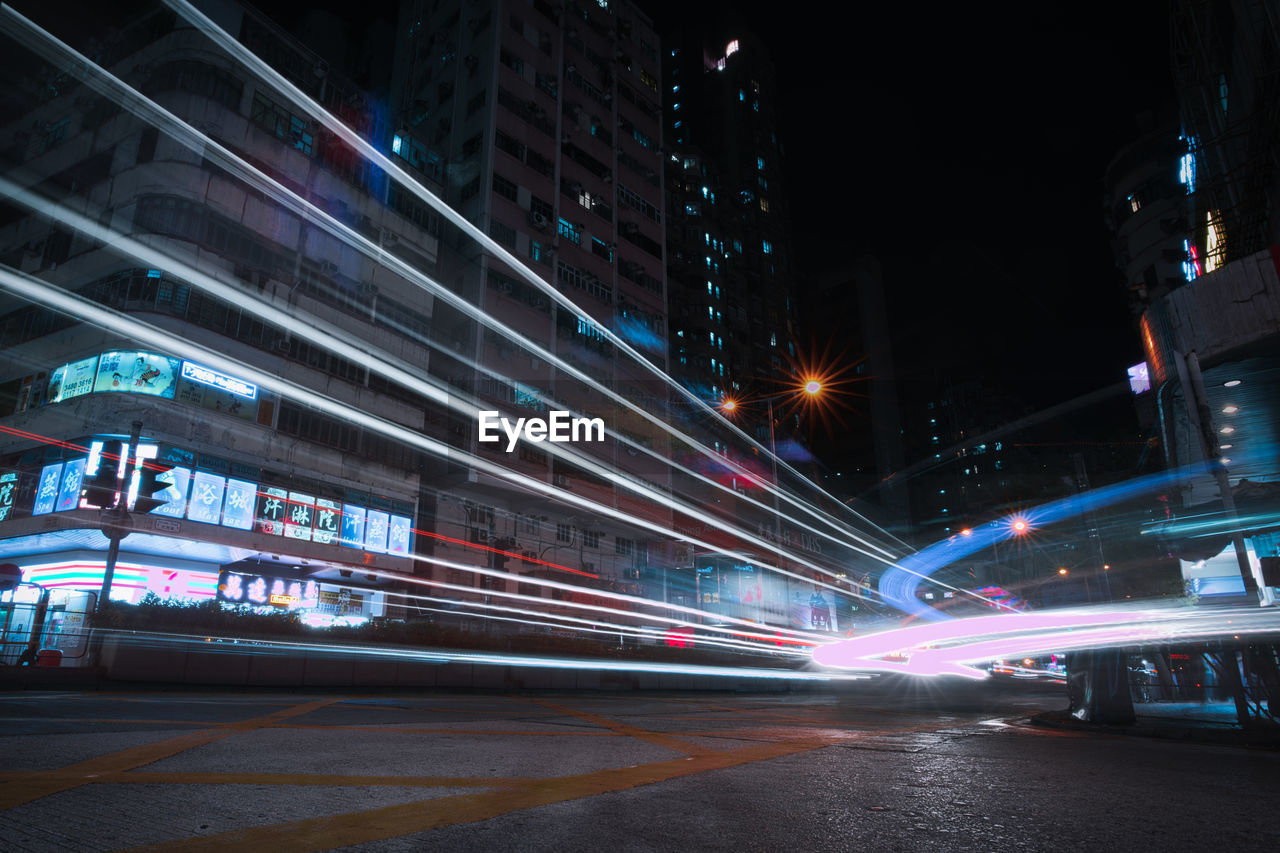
column 205, row 376
column 211, row 498
column 8, row 491
column 353, row 518
column 375, row 535
column 238, row 505
column 398, row 536
column 205, row 504
column 176, row 495
column 47, row 490
column 72, row 482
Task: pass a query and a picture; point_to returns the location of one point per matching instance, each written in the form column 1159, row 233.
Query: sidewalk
column 1213, row 722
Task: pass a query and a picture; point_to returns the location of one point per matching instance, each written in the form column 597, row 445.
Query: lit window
column 571, row 231
column 760, row 163
column 764, row 205
column 731, row 48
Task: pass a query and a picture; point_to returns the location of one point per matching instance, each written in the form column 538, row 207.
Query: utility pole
column 115, row 519
column 1202, row 424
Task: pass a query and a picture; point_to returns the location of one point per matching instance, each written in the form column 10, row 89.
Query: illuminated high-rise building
column 732, row 277
column 543, row 124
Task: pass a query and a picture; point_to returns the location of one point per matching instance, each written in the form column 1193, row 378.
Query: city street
column 887, row 765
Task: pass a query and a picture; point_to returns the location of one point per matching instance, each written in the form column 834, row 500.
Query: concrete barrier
column 120, row 658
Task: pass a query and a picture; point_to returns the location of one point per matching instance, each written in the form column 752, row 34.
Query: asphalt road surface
column 883, row 766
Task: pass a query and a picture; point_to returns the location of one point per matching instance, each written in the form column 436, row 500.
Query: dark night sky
column 965, row 147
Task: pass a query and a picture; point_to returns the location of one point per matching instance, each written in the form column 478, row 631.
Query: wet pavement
column 887, row 765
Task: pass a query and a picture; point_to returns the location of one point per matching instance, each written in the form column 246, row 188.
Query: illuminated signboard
column 353, row 518
column 72, row 482
column 398, row 534
column 205, row 504
column 137, row 373
column 328, row 522
column 241, row 588
column 72, row 380
column 47, row 489
column 176, row 495
column 205, row 376
column 375, row 534
column 8, row 491
column 211, row 498
column 297, row 521
column 272, row 506
column 237, row 508
column 1139, row 378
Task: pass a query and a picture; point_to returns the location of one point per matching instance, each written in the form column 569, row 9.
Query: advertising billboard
column 138, row 372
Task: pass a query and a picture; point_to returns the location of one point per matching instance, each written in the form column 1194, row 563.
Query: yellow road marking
column 327, row 833
column 150, row 777
column 671, row 742
column 23, row 788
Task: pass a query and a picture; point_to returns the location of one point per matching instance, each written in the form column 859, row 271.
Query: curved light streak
column 899, row 584
column 953, row 647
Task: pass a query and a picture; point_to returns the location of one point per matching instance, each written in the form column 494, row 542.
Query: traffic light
column 149, row 484
column 1270, row 570
column 100, row 489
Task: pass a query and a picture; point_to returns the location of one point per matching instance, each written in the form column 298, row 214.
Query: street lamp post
column 811, row 388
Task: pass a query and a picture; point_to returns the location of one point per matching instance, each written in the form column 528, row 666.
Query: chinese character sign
column 272, row 505
column 72, row 482
column 237, row 508
column 205, row 504
column 8, row 491
column 47, row 489
column 328, row 522
column 353, row 519
column 298, row 517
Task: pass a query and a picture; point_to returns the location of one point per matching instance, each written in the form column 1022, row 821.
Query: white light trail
column 250, row 61
column 332, row 337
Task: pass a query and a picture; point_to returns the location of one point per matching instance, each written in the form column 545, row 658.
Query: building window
column 571, row 231
column 504, row 234
column 505, row 188
column 601, row 249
